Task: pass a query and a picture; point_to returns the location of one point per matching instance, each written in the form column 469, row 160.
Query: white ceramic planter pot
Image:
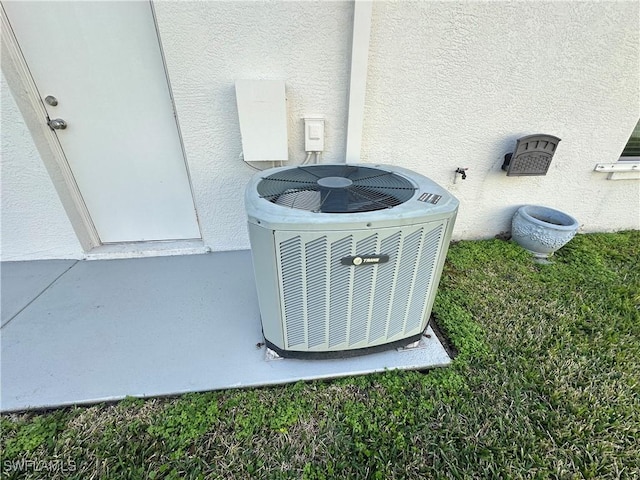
column 542, row 230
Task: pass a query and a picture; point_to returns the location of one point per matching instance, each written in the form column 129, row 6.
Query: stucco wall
column 454, row 84
column 34, row 224
column 450, row 84
column 208, row 46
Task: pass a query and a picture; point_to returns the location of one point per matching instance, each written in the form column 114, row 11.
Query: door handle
column 57, row 124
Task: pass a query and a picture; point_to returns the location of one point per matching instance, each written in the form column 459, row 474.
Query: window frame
column 631, row 158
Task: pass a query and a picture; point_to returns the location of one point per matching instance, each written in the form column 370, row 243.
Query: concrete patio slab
column 157, row 326
column 22, row 282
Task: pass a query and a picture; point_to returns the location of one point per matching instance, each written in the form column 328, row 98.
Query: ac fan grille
column 362, row 189
column 331, row 306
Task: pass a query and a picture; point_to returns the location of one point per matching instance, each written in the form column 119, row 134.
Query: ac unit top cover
column 344, row 196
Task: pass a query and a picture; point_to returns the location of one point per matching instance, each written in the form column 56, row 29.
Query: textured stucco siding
column 454, row 84
column 450, row 84
column 34, row 223
column 208, row 46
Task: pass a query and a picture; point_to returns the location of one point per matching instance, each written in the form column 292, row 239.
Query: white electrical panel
column 262, row 111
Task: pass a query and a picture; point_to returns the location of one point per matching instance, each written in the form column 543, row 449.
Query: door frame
column 25, row 92
column 31, row 106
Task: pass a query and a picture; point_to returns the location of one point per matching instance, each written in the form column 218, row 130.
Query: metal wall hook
column 463, row 172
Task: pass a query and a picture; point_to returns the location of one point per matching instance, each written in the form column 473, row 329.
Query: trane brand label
column 430, row 198
column 365, row 260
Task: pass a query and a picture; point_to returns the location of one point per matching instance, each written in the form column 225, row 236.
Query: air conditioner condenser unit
column 347, row 257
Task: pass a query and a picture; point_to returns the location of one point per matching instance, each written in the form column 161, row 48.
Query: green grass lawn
column 546, row 385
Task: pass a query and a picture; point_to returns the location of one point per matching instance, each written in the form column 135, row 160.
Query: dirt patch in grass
column 442, row 337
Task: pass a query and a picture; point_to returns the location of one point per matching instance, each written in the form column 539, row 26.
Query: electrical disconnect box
column 313, row 134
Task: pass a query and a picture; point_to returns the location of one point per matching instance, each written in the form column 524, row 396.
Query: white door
column 102, row 62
